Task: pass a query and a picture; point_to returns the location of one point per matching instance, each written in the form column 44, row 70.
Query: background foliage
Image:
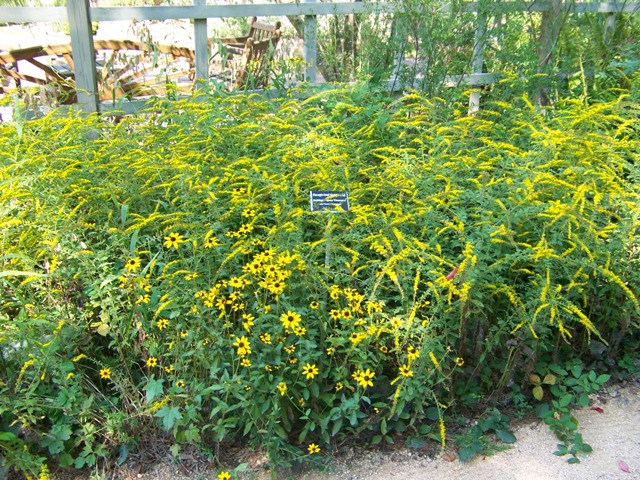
column 164, row 270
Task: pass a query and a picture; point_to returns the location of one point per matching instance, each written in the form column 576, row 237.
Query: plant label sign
column 329, row 201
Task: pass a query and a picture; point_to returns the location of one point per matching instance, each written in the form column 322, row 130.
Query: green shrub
column 165, row 270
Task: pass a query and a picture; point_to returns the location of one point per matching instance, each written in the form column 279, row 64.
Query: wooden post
column 310, row 46
column 609, row 28
column 202, row 48
column 477, row 60
column 84, row 56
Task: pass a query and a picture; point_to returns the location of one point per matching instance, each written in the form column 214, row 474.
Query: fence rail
column 79, row 15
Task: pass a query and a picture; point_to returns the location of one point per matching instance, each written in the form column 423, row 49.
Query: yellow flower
column 173, row 240
column 314, row 305
column 310, row 371
column 184, row 333
column 406, row 371
column 162, row 323
column 236, row 282
column 105, row 373
column 335, row 314
column 245, row 362
column 331, row 351
column 459, row 361
column 435, row 361
column 243, row 346
column 282, row 387
column 224, row 476
column 211, row 242
column 313, row 448
column 266, row 338
column 290, row 319
column 339, row 386
column 168, row 369
column 132, row 264
column 180, row 384
column 364, row 379
column 152, row 362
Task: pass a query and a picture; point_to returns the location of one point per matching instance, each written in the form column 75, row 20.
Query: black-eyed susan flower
column 335, row 314
column 459, row 361
column 105, row 373
column 224, row 476
column 243, row 346
column 152, row 362
column 310, row 371
column 180, row 384
column 173, row 240
column 290, row 320
column 211, row 242
column 132, row 264
column 405, row 371
column 245, row 362
column 364, row 378
column 282, row 388
column 314, row 305
column 162, row 323
column 313, row 448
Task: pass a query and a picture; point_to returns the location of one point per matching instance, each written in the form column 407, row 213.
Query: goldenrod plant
column 165, row 270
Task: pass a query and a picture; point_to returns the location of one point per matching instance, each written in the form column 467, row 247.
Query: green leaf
column 9, row 437
column 602, row 379
column 417, row 442
column 538, row 393
column 337, row 425
column 565, row 400
column 467, row 454
column 583, row 400
column 169, row 415
column 535, row 379
column 573, row 460
column 549, row 379
column 154, row 388
column 506, row 436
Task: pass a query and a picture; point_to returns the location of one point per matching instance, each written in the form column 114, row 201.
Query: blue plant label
column 329, row 201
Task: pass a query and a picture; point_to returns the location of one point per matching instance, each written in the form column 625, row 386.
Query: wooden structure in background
column 79, row 15
column 255, row 51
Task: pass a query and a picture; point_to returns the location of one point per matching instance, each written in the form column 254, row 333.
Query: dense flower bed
column 167, row 269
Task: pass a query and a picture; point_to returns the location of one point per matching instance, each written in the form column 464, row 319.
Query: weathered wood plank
column 202, row 45
column 84, row 56
column 59, row 14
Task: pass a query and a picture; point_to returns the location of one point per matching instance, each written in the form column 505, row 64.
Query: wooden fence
column 79, row 15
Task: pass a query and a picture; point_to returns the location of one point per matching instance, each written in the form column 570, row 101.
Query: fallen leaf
column 449, row 457
column 597, row 409
column 624, row 467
